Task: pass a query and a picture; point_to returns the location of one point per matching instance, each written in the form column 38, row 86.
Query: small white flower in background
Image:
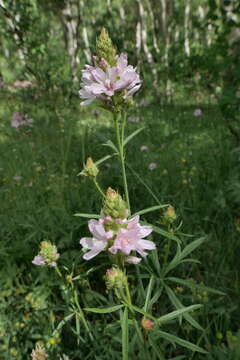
column 135, row 119
column 144, row 148
column 152, row 166
column 64, row 357
column 19, row 120
column 17, row 178
column 198, row 112
column 144, row 103
column 39, row 353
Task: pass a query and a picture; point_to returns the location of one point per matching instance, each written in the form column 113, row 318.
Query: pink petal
column 98, row 246
column 99, row 75
column 132, row 91
column 147, row 244
column 133, row 260
column 38, row 260
column 87, row 242
column 145, row 230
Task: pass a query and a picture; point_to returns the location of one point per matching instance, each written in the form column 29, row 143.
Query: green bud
column 115, row 278
column 114, row 205
column 170, row 215
column 90, row 169
column 48, row 252
column 105, row 49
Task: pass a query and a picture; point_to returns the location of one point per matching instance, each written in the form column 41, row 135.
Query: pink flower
column 152, row 166
column 98, row 83
column 133, row 260
column 130, row 238
column 38, row 260
column 198, row 112
column 98, row 242
column 48, row 255
column 144, row 148
column 19, row 120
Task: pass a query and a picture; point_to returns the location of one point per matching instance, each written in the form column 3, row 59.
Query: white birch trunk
column 70, row 18
column 186, row 27
column 149, row 57
column 151, row 13
column 12, row 21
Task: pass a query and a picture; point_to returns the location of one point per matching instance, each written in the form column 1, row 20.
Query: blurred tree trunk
column 141, row 42
column 166, row 16
column 152, row 17
column 70, row 19
column 186, row 27
column 12, row 22
column 230, row 99
column 84, row 33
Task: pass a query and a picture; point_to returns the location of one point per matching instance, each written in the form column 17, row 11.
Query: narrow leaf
column 110, row 144
column 88, row 216
column 131, row 136
column 147, row 315
column 150, row 209
column 62, row 323
column 191, row 247
column 193, row 285
column 175, row 314
column 104, row 310
column 149, row 291
column 164, row 233
column 100, row 161
column 179, row 341
column 178, row 305
column 124, row 324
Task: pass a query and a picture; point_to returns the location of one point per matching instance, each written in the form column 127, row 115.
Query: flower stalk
column 120, row 144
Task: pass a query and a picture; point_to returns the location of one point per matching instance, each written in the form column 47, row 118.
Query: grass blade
column 179, row 341
column 124, row 324
column 150, row 209
column 104, row 310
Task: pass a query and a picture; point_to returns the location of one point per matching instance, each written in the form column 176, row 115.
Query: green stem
column 120, row 140
column 81, row 314
column 58, row 271
column 128, row 294
column 98, row 187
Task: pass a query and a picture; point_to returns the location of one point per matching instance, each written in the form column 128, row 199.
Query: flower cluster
column 116, row 233
column 48, row 255
column 123, row 235
column 39, row 353
column 115, row 278
column 19, row 120
column 103, row 82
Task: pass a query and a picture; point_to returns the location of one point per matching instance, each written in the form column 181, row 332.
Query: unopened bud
column 48, row 255
column 147, row 324
column 115, row 279
column 114, row 205
column 105, row 49
column 90, row 169
column 39, row 353
column 170, row 215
